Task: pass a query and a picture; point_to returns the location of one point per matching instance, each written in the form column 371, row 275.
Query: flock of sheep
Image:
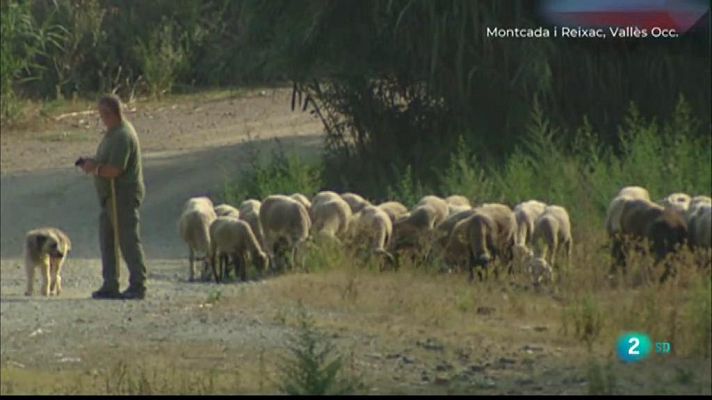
column 274, row 232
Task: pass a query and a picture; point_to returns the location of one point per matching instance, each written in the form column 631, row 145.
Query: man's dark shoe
column 133, row 294
column 106, row 294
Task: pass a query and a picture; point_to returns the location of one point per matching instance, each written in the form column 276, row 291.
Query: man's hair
column 113, row 103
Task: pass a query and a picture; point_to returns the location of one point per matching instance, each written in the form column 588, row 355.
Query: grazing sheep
column 331, row 218
column 664, row 229
column 452, row 244
column 373, row 227
column 457, row 200
column 454, row 209
column 302, row 199
column 635, row 192
column 453, row 240
column 410, row 230
column 552, row 231
column 438, row 204
column 490, row 236
column 224, row 210
column 700, row 223
column 613, row 215
column 615, row 208
column 285, row 224
column 695, row 204
column 230, row 236
column 526, row 214
column 324, row 196
column 355, row 201
column 540, row 271
column 678, row 202
column 394, row 210
column 194, row 228
column 250, row 213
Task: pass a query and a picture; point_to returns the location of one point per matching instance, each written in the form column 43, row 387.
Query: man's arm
column 101, row 170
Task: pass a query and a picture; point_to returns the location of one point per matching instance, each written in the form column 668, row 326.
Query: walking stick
column 115, row 217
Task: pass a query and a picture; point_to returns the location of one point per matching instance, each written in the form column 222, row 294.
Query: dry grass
column 581, row 317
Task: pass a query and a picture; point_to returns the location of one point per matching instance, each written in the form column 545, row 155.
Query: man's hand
column 88, row 166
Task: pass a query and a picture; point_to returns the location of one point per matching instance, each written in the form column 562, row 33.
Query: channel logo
column 634, row 347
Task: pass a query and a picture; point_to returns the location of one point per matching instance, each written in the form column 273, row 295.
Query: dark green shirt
column 120, row 148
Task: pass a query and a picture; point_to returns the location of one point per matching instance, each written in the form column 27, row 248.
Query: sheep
column 526, row 214
column 324, row 196
column 438, row 204
column 664, row 229
column 229, row 235
column 457, row 200
column 635, row 192
column 490, row 235
column 539, row 270
column 285, row 222
column 373, row 227
column 194, row 228
column 552, row 231
column 452, row 239
column 695, row 204
column 302, row 199
column 331, row 218
column 454, row 209
column 223, row 210
column 394, row 210
column 451, row 242
column 355, row 201
column 678, row 202
column 411, row 229
column 250, row 213
column 615, row 207
column 700, row 223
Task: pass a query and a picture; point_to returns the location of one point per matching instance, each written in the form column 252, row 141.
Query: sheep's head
column 540, row 270
column 262, row 262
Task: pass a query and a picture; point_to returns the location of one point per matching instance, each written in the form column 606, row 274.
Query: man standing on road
column 118, row 157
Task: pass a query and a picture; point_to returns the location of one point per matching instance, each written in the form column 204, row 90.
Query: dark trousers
column 129, row 242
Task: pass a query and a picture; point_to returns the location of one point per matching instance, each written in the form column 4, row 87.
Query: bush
column 313, row 369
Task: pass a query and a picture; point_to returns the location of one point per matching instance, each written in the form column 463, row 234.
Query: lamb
column 226, row 210
column 285, row 223
column 552, row 231
column 664, row 229
column 355, row 201
column 526, row 214
column 394, row 210
column 439, row 205
column 302, row 199
column 232, row 236
column 374, row 227
column 490, row 235
column 194, row 228
column 331, row 217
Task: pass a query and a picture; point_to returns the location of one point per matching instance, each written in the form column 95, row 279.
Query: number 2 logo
column 633, row 350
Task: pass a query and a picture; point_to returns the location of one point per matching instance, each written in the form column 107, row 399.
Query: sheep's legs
column 191, row 265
